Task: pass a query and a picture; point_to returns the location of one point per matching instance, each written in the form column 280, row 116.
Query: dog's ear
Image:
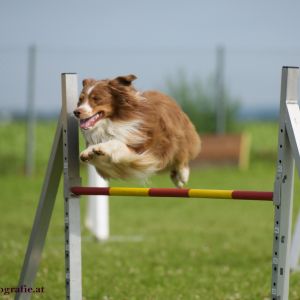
column 125, row 80
column 88, row 81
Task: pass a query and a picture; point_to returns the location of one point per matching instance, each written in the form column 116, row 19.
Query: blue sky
column 152, row 39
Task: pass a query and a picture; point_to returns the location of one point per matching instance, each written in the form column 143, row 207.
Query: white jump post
column 71, row 175
column 288, row 154
column 97, row 220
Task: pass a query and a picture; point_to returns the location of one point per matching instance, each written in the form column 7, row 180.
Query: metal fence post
column 31, row 113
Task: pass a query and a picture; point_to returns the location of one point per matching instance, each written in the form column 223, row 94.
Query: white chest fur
column 107, row 130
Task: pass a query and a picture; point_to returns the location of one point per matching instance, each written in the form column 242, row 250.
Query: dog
column 130, row 134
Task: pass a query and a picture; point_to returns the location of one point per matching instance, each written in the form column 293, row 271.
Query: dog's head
column 100, row 99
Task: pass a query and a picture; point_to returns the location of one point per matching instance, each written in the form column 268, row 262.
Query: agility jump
column 64, row 158
column 173, row 192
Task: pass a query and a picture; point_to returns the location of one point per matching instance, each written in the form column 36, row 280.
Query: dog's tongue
column 90, row 122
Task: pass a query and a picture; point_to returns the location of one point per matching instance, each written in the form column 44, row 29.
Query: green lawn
column 162, row 249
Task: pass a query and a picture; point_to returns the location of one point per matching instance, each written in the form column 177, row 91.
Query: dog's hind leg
column 180, row 175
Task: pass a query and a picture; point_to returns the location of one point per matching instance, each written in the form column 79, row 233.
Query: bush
column 198, row 101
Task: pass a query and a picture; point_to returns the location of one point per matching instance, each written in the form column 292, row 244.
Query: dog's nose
column 76, row 113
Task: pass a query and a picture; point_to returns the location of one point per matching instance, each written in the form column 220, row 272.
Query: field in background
column 160, row 248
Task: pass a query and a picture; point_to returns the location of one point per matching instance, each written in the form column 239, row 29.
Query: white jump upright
column 97, row 219
column 71, row 175
column 65, row 157
column 288, row 154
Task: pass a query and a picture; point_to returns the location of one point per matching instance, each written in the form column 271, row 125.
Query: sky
column 151, row 39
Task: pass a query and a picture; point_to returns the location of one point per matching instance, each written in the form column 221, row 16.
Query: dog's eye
column 81, row 98
column 95, row 98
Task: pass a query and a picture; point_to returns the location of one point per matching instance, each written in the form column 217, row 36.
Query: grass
column 161, row 248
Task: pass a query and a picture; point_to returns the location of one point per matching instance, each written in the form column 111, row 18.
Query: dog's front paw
column 86, row 155
column 98, row 150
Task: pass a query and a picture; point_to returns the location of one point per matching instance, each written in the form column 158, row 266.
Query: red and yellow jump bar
column 173, row 192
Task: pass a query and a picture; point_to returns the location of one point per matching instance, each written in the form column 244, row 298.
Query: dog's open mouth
column 90, row 122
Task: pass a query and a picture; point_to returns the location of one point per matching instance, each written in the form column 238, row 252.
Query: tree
column 198, row 101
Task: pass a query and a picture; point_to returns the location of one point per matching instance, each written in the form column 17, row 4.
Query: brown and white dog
column 133, row 134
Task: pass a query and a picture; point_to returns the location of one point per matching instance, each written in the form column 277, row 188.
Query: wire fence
column 251, row 75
